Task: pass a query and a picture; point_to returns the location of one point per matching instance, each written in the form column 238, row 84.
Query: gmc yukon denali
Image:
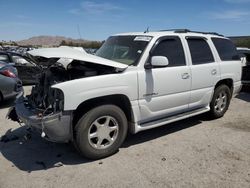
column 134, row 82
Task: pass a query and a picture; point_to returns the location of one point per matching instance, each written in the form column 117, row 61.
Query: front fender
column 80, row 90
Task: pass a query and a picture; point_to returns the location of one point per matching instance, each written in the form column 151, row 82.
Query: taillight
column 8, row 73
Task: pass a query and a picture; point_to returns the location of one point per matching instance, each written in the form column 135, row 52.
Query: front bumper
column 56, row 126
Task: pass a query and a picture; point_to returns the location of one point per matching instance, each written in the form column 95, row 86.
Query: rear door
column 205, row 71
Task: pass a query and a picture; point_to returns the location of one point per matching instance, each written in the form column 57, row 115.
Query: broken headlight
column 56, row 99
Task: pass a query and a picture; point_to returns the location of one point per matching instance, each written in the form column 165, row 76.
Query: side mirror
column 159, row 61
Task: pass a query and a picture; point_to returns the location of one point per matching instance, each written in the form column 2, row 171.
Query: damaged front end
column 54, row 126
column 43, row 109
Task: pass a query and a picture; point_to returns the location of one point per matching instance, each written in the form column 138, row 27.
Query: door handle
column 185, row 76
column 214, row 72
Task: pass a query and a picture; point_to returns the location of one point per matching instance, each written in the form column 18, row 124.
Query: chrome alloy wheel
column 221, row 101
column 103, row 132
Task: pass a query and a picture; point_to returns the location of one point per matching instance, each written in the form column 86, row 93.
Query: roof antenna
column 79, row 33
column 147, row 30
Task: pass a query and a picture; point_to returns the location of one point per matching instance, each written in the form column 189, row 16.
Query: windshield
column 124, row 49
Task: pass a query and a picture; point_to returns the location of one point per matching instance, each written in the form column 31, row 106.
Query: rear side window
column 173, row 50
column 226, row 49
column 4, row 58
column 200, row 51
column 20, row 60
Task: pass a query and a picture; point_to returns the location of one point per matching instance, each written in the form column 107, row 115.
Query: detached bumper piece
column 55, row 127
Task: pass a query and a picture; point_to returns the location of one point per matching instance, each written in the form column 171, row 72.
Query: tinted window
column 4, row 58
column 200, row 51
column 21, row 61
column 226, row 49
column 173, row 50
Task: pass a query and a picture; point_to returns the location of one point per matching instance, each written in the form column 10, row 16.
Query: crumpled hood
column 70, row 53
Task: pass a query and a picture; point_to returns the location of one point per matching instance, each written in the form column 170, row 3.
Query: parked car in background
column 245, row 59
column 10, row 84
column 26, row 67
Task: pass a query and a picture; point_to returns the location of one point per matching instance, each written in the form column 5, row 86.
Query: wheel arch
column 120, row 100
column 228, row 82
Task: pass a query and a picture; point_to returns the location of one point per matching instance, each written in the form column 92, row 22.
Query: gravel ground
column 196, row 152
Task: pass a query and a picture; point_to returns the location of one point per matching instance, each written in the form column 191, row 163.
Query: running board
column 170, row 119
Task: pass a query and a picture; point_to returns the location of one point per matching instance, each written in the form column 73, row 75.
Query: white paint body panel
column 155, row 93
column 80, row 90
column 71, row 53
column 203, row 83
column 162, row 91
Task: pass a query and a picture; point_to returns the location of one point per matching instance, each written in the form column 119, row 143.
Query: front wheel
column 101, row 131
column 220, row 102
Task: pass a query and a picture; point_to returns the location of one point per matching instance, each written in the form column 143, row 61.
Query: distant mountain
column 239, row 37
column 49, row 41
column 241, row 41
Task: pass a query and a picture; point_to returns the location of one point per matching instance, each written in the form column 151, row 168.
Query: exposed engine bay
column 48, row 100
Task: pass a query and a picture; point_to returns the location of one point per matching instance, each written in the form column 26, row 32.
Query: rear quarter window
column 226, row 49
column 4, row 58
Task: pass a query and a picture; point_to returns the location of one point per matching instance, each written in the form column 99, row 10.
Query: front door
column 165, row 91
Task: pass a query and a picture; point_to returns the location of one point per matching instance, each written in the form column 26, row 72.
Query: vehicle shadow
column 158, row 132
column 29, row 152
column 244, row 96
column 7, row 103
column 32, row 154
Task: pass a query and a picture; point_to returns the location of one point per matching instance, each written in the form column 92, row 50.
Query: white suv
column 134, row 82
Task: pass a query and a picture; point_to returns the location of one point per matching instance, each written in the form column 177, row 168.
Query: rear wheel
column 101, row 131
column 220, row 102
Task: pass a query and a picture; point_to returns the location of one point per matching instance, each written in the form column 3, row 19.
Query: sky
column 98, row 19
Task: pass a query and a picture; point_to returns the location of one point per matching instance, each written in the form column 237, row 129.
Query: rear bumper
column 11, row 95
column 57, row 126
column 245, row 82
column 16, row 89
column 246, row 75
column 237, row 88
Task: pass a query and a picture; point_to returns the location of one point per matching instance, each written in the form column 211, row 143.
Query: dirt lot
column 197, row 152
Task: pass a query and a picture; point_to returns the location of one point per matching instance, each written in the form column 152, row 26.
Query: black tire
column 214, row 110
column 84, row 125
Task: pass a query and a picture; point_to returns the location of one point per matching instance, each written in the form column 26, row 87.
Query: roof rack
column 189, row 31
column 177, row 30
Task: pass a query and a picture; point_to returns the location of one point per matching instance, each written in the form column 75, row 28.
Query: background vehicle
column 245, row 55
column 10, row 85
column 26, row 67
column 135, row 82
